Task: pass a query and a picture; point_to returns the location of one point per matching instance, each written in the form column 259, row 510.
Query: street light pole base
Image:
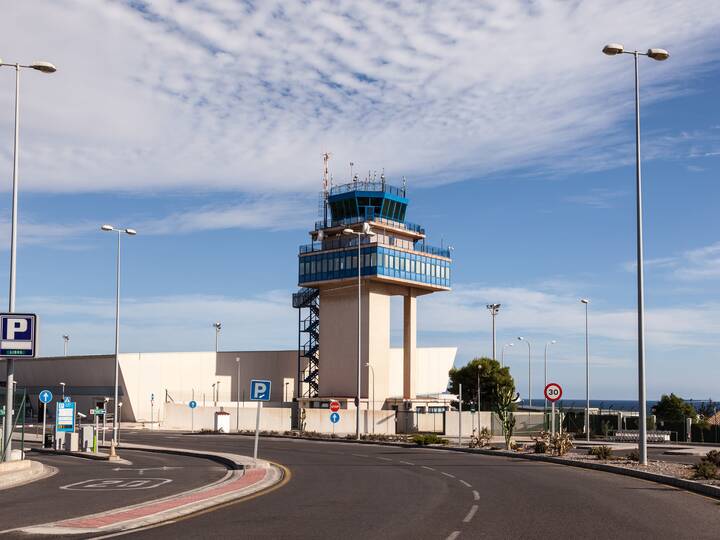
column 113, row 454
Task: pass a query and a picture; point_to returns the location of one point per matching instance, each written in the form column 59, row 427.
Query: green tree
column 493, row 381
column 673, row 408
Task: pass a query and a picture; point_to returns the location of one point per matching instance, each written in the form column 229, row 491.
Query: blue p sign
column 17, row 334
column 260, row 390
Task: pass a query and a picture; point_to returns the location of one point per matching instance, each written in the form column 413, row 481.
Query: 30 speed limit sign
column 553, row 392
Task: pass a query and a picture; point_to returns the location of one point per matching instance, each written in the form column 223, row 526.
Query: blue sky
column 202, row 125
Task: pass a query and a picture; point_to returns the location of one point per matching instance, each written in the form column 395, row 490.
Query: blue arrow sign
column 45, row 396
column 335, row 417
column 192, row 404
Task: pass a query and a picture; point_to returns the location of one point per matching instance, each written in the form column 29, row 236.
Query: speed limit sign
column 553, row 392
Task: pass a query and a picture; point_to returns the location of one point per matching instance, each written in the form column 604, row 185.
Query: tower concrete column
column 409, row 345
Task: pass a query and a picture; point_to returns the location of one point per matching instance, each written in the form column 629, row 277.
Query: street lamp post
column 502, row 355
column 237, row 415
column 372, row 372
column 66, row 339
column 613, row 49
column 520, row 338
column 43, row 67
column 367, row 233
column 129, row 232
column 587, row 371
column 494, row 309
column 218, row 326
column 62, row 384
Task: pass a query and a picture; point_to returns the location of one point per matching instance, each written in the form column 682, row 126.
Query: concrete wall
column 271, row 418
column 319, row 420
column 469, row 421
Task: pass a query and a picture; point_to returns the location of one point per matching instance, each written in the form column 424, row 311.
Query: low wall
column 179, row 416
column 469, row 422
column 319, row 420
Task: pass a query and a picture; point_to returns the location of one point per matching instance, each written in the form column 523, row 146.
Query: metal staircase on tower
column 307, row 302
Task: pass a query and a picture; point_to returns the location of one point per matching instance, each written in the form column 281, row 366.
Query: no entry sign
column 553, row 392
column 334, row 406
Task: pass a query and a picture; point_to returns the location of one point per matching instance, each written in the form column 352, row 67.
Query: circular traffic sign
column 553, row 391
column 334, row 418
column 192, row 404
column 45, row 396
column 334, row 406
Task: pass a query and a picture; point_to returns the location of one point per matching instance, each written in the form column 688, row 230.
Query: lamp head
column 658, row 54
column 107, row 228
column 348, row 231
column 611, row 49
column 131, row 232
column 584, row 301
column 520, row 338
column 45, row 67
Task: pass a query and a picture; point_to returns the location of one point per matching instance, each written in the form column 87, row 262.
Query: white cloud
column 597, row 198
column 692, row 265
column 246, row 97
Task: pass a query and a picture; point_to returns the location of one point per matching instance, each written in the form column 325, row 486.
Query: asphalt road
column 84, row 486
column 346, row 491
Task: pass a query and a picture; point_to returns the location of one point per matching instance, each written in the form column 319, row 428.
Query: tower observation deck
column 394, row 260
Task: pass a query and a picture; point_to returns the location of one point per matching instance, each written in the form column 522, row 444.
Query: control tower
column 394, row 261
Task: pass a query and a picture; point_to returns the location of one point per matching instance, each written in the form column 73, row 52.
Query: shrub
column 541, row 447
column 560, row 443
column 634, row 456
column 601, row 452
column 428, row 438
column 713, row 456
column 484, row 437
column 705, row 469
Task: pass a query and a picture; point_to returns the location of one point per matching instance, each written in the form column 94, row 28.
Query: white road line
column 449, row 475
column 464, row 483
column 476, row 495
column 360, row 455
column 384, row 458
column 471, row 513
column 428, row 468
column 406, row 462
column 453, row 535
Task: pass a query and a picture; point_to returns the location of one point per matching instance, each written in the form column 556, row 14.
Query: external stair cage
column 307, row 301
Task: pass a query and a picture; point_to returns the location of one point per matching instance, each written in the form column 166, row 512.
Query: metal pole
column 357, row 400
column 493, row 325
column 44, row 419
column 117, row 342
column 192, row 414
column 257, row 432
column 10, row 379
column 460, row 416
column 237, row 416
column 553, row 419
column 587, row 378
column 545, row 381
column 642, row 447
column 529, row 376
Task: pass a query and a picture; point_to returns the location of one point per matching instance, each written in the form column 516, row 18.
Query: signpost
column 334, row 406
column 45, row 397
column 65, row 416
column 97, row 412
column 259, row 391
column 553, row 392
column 192, row 406
column 17, row 340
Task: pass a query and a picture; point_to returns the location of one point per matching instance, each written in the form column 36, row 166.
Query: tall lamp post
column 372, row 372
column 367, row 233
column 494, row 309
column 218, row 326
column 502, row 354
column 613, row 49
column 520, row 338
column 553, row 342
column 66, row 340
column 237, row 412
column 587, row 371
column 129, row 232
column 43, row 67
column 62, row 384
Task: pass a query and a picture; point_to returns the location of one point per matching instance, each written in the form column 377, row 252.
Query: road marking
column 471, row 513
column 116, row 484
column 384, row 458
column 464, row 483
column 428, row 468
column 453, row 535
column 449, row 475
column 360, row 455
column 476, row 495
column 141, row 471
column 406, row 462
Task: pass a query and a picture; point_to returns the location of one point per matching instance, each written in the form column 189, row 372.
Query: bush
column 601, row 452
column 560, row 443
column 706, row 470
column 484, row 437
column 541, row 447
column 713, row 456
column 634, row 456
column 428, row 438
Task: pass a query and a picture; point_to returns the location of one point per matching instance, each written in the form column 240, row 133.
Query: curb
column 242, row 480
column 30, row 471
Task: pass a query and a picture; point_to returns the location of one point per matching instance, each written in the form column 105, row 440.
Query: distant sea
column 612, row 404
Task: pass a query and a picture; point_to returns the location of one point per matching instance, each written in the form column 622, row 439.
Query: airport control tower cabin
column 394, row 260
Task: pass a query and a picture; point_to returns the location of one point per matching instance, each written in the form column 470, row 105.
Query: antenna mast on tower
column 326, row 182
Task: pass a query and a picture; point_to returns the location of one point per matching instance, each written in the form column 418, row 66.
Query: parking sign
column 260, row 390
column 17, row 335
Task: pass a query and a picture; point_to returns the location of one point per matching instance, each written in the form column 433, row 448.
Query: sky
column 202, row 124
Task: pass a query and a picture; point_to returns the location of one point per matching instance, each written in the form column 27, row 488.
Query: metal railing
column 407, row 225
column 345, row 242
column 366, row 185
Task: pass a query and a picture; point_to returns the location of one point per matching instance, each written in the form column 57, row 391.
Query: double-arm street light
column 502, row 354
column 130, row 232
column 520, row 338
column 365, row 232
column 613, row 49
column 587, row 371
column 43, row 67
column 494, row 309
column 218, row 326
column 66, row 340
